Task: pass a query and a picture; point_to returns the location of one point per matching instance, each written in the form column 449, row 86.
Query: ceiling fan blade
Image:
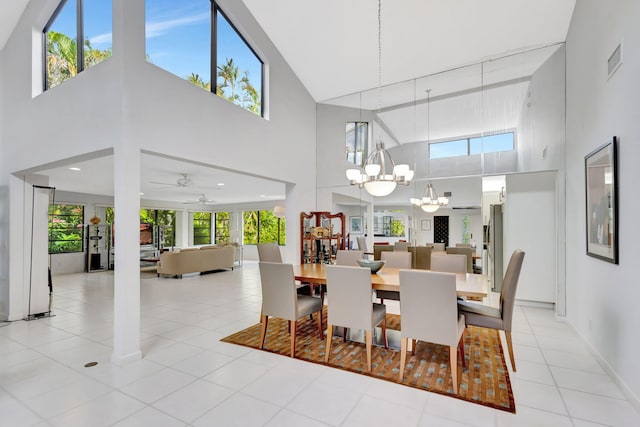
column 172, row 184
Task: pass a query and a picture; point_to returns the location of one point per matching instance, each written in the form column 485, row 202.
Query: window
column 491, row 143
column 181, row 40
column 263, row 227
column 475, row 145
column 222, row 227
column 202, row 228
column 163, row 218
column 438, row 150
column 73, row 20
column 357, row 142
column 66, row 230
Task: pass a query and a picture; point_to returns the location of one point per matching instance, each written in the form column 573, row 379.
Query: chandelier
column 380, row 174
column 430, row 202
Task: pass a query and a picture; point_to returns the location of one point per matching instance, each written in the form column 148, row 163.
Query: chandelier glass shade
column 430, row 202
column 380, row 175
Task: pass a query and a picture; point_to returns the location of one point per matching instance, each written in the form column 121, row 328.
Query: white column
column 126, row 292
column 128, row 47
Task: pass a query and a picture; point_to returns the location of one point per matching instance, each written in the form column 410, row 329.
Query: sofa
column 194, row 260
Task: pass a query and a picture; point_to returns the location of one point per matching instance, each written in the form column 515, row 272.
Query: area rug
column 484, row 381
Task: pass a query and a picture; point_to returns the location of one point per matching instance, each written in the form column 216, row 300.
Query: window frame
column 80, row 65
column 364, row 145
column 213, row 78
column 281, row 228
column 203, row 220
column 219, row 237
column 52, row 206
column 468, row 143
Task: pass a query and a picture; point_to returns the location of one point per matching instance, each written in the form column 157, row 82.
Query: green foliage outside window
column 397, row 227
column 202, row 228
column 61, row 52
column 66, row 229
column 164, row 218
column 222, row 227
column 263, row 227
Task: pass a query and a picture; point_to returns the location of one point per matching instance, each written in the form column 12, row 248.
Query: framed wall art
column 356, row 224
column 601, row 193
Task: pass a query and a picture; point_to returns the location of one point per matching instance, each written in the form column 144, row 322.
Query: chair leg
column 367, row 339
column 403, row 356
column 413, row 346
column 327, row 349
column 320, row 324
column 453, row 361
column 294, row 325
column 263, row 331
column 510, row 346
column 384, row 333
column 344, row 333
column 461, row 347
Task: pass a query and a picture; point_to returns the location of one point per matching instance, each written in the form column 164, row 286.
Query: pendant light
column 429, row 202
column 380, row 174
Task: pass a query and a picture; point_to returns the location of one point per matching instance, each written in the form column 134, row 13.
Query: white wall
column 529, row 224
column 602, row 297
column 541, row 128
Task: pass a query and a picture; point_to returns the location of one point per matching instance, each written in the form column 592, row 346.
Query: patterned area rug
column 485, row 380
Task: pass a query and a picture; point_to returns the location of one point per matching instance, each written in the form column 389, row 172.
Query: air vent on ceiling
column 614, row 61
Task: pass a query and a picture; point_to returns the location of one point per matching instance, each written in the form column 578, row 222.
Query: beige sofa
column 194, row 260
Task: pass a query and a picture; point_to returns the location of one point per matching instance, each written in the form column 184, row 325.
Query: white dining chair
column 279, row 299
column 269, row 252
column 350, row 305
column 449, row 263
column 429, row 313
column 395, row 259
column 344, row 257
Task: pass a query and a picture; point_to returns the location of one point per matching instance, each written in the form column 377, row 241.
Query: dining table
column 469, row 285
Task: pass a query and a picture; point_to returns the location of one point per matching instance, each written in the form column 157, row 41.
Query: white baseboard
column 537, row 304
column 628, row 393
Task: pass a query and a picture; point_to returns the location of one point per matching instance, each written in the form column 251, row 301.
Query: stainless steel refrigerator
column 495, row 247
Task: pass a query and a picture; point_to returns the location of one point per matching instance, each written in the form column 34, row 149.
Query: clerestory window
column 87, row 20
column 195, row 40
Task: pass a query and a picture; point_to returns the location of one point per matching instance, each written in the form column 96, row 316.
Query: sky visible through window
column 97, row 22
column 178, row 40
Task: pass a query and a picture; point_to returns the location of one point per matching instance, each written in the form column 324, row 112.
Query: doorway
column 441, row 230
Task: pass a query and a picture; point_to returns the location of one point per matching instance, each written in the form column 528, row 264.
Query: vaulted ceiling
column 332, row 46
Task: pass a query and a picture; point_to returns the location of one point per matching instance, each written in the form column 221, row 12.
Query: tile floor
column 187, row 377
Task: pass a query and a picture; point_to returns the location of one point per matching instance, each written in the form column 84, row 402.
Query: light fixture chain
column 379, row 55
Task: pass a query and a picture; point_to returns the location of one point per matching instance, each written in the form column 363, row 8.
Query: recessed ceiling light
column 262, row 195
column 142, row 194
column 220, row 184
column 74, row 169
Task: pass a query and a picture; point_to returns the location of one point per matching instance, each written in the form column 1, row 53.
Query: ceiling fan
column 202, row 200
column 182, row 182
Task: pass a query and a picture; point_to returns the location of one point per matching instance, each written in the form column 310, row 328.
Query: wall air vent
column 614, row 61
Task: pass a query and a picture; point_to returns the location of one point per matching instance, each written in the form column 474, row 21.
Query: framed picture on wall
column 356, row 224
column 601, row 187
column 425, row 225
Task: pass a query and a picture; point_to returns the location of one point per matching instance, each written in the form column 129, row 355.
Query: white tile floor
column 187, row 377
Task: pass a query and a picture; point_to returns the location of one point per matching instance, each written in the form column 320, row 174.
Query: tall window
column 66, row 230
column 475, row 145
column 87, row 20
column 222, row 227
column 263, row 227
column 357, row 142
column 202, row 228
column 196, row 41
